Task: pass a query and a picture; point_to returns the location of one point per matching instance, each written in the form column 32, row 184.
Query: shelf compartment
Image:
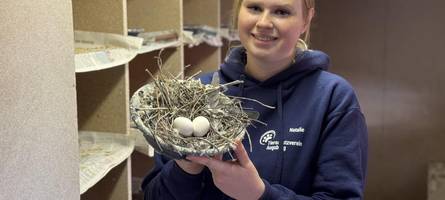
column 100, row 152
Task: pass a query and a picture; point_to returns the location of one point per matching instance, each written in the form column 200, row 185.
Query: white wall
column 38, row 120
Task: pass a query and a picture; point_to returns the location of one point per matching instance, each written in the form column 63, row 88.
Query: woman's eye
column 282, row 12
column 254, row 8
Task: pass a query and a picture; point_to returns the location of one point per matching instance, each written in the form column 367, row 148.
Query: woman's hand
column 237, row 179
column 189, row 166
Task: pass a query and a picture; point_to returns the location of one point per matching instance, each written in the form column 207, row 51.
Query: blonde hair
column 308, row 5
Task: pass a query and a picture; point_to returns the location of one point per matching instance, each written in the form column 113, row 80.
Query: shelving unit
column 202, row 58
column 103, row 95
column 225, row 22
column 155, row 16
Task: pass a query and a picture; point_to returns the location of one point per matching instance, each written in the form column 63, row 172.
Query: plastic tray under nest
column 154, row 107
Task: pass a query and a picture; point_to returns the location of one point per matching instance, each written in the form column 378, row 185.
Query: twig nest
column 184, row 126
column 162, row 111
column 201, row 126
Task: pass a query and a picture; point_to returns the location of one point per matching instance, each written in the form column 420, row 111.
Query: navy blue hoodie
column 314, row 145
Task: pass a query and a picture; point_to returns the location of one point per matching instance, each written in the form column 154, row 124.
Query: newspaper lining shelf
column 158, row 45
column 140, row 143
column 194, row 35
column 98, row 51
column 228, row 34
column 99, row 153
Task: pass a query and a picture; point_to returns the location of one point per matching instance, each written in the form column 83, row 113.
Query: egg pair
column 198, row 127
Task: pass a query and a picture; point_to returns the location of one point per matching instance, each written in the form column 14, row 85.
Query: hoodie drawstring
column 241, row 92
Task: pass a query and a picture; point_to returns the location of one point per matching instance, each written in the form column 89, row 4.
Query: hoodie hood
column 305, row 62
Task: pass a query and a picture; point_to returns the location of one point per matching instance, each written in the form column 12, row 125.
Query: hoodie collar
column 305, row 61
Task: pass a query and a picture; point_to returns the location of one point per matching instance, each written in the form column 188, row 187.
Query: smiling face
column 270, row 29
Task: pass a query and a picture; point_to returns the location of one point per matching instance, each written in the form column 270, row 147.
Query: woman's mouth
column 264, row 38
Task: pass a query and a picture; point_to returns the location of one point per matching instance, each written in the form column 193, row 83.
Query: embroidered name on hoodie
column 296, row 130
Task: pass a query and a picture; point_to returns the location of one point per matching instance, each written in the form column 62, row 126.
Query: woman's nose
column 264, row 20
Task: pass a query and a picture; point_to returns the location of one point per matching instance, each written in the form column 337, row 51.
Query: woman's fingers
column 216, row 162
column 212, row 163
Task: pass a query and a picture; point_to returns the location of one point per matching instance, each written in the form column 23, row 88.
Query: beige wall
column 38, row 126
column 392, row 52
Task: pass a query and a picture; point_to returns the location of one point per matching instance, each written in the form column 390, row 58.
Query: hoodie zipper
column 281, row 130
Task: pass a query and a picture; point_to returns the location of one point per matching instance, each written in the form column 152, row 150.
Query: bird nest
column 155, row 106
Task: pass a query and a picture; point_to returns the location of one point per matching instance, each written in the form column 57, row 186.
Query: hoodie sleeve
column 342, row 157
column 168, row 181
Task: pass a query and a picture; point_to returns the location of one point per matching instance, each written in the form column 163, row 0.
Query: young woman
column 314, row 145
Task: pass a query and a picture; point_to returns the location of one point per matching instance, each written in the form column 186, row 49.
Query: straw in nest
column 154, row 107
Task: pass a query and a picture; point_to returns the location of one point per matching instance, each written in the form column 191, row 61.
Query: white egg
column 201, row 126
column 184, row 126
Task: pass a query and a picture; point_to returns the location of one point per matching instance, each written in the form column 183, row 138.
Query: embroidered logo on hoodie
column 267, row 139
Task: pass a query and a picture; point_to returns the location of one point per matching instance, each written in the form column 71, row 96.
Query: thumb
column 241, row 154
